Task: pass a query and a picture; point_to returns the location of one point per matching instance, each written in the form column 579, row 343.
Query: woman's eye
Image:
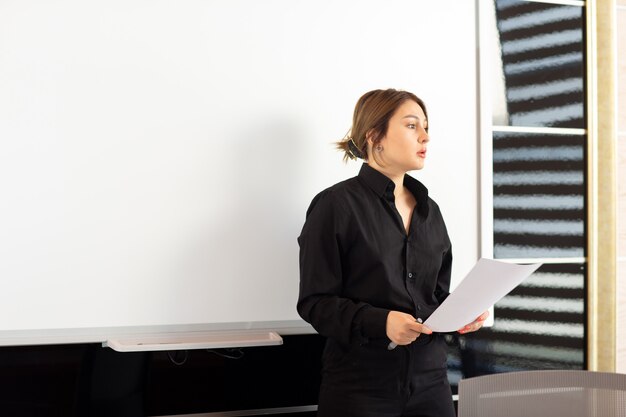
column 411, row 126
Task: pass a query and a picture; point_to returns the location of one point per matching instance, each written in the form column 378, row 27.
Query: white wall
column 157, row 157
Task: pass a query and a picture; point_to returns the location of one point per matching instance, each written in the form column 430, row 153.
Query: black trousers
column 371, row 381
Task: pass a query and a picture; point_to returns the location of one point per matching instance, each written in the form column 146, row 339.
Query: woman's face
column 404, row 145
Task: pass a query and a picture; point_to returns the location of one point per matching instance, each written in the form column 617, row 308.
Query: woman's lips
column 422, row 154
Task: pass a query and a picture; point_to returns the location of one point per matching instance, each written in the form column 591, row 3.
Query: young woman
column 375, row 262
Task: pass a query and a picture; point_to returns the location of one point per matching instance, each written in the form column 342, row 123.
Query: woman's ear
column 369, row 137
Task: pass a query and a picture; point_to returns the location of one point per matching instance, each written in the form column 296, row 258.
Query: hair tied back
column 354, row 150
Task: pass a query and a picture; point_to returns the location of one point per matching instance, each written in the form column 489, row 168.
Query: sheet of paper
column 485, row 285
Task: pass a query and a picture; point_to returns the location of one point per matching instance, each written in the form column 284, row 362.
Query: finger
column 472, row 327
column 475, row 326
column 426, row 330
column 419, row 328
column 467, row 327
column 406, row 340
column 413, row 339
column 480, row 320
column 410, row 334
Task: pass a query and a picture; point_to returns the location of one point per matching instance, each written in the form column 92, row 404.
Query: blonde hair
column 371, row 119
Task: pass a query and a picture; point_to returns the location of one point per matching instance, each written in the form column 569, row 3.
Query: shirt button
column 410, row 275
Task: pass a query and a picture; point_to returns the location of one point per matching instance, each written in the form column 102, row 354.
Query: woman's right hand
column 403, row 329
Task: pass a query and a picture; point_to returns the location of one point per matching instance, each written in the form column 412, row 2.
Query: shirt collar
column 384, row 187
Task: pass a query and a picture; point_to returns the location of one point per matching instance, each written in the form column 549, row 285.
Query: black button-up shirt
column 357, row 262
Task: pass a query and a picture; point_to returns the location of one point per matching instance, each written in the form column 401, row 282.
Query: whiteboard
column 157, row 157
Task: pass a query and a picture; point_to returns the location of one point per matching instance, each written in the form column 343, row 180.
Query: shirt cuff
column 373, row 322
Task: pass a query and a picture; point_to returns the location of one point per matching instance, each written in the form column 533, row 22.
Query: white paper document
column 485, row 285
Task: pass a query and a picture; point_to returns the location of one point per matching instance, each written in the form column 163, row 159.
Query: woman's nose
column 423, row 136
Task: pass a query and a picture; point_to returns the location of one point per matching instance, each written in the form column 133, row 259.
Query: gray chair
column 543, row 393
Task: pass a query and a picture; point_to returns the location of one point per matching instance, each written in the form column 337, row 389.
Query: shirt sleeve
column 320, row 301
column 442, row 290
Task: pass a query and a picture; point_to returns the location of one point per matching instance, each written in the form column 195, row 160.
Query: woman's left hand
column 476, row 324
